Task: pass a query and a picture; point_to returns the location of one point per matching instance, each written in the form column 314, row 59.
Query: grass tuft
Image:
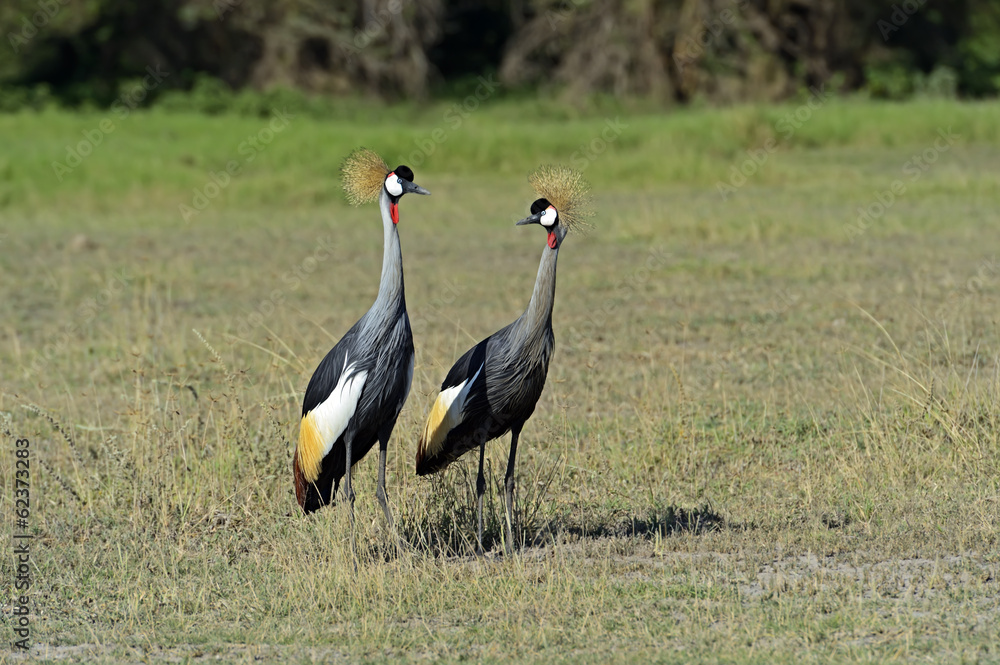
column 769, row 432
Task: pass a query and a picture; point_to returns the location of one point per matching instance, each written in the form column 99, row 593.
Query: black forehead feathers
column 539, row 205
column 404, row 172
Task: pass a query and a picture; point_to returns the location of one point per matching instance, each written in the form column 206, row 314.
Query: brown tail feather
column 427, row 463
column 300, row 480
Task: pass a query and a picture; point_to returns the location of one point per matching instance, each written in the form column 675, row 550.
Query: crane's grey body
column 494, row 388
column 509, row 369
column 360, row 386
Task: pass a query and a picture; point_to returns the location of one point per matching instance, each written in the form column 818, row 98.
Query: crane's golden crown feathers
column 567, row 191
column 363, row 173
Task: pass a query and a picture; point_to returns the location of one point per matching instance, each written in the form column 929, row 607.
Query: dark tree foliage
column 84, row 51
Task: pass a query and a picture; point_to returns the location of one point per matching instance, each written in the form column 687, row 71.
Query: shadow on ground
column 664, row 522
column 453, row 533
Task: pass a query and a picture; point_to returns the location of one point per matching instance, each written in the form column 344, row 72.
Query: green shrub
column 25, row 98
column 979, row 52
column 890, row 81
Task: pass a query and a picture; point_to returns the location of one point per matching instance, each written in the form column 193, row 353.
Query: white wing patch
column 333, row 414
column 457, row 398
column 446, row 414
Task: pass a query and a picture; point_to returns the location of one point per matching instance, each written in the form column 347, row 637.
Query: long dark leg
column 349, row 490
column 383, row 498
column 383, row 444
column 509, row 486
column 480, row 490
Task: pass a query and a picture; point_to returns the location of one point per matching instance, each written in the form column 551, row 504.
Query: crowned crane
column 494, row 387
column 358, row 390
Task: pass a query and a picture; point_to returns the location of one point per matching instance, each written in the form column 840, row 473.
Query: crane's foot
column 398, row 541
column 349, row 495
column 384, row 502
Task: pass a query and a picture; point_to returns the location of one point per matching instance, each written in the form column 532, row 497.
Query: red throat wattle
column 552, row 240
column 394, row 212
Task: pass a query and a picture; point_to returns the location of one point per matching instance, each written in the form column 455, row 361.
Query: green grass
column 763, row 439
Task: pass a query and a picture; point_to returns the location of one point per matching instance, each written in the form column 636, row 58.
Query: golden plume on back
column 363, row 173
column 567, row 191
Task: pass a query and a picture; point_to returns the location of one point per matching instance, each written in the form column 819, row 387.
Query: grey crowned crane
column 358, row 390
column 494, row 387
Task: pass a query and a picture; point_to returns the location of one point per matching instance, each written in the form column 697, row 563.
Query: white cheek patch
column 392, row 185
column 549, row 217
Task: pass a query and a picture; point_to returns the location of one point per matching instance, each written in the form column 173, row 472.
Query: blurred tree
column 978, row 54
column 473, row 36
column 673, row 50
column 84, row 47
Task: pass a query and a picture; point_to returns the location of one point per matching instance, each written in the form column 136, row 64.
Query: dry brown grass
column 760, row 442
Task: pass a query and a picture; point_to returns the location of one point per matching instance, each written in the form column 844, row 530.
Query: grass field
column 769, row 434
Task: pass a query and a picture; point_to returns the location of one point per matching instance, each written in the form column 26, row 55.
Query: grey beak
column 534, row 219
column 410, row 188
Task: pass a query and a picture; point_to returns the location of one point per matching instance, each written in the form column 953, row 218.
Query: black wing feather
column 327, row 375
column 503, row 395
column 379, row 403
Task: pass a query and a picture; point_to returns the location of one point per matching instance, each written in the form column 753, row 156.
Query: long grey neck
column 390, row 290
column 538, row 316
